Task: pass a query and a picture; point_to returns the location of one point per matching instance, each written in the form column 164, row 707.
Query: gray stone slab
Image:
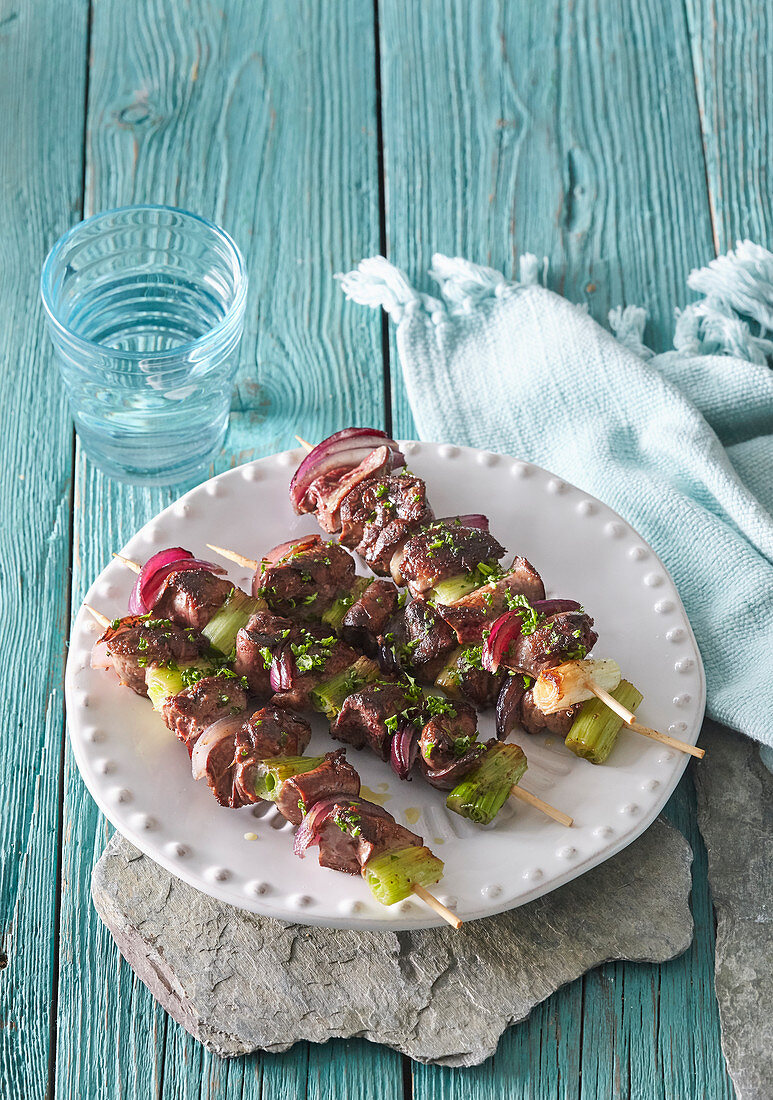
column 735, row 815
column 240, row 982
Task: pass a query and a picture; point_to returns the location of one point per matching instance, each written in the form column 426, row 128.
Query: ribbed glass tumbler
column 145, row 307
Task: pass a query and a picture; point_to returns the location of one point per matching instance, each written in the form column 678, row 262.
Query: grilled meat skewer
column 353, row 835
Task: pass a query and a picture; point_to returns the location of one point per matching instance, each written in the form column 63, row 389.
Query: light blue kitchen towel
column 680, row 444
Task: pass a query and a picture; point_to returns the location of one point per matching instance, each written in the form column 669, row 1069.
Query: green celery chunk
column 329, row 696
column 449, row 678
column 271, row 774
column 595, row 729
column 483, row 791
column 334, row 615
column 393, row 875
column 449, row 591
column 225, row 624
column 162, row 682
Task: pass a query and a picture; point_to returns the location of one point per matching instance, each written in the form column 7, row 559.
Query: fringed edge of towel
column 463, row 285
column 734, row 317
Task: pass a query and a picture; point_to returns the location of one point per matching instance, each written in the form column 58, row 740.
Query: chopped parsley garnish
column 471, row 658
column 190, row 675
column 308, row 657
column 436, row 705
column 530, row 619
column 267, row 655
column 348, row 820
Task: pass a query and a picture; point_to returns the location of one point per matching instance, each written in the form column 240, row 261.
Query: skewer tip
column 634, row 724
column 98, row 617
column 442, row 910
column 133, row 565
column 231, row 555
column 304, row 443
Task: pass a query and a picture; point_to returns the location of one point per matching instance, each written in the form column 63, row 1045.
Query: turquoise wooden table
column 623, row 139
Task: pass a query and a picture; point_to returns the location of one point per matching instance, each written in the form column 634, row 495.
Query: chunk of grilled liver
column 273, row 731
column 567, row 636
column 364, row 715
column 268, row 732
column 256, row 645
column 447, row 736
column 189, row 712
column 190, row 597
column 429, row 639
column 447, row 746
column 335, row 656
column 306, row 580
column 445, row 550
column 380, row 514
column 534, row 720
column 367, row 618
column 140, row 641
column 334, row 777
column 376, row 832
column 470, row 615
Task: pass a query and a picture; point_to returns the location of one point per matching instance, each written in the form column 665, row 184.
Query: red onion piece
column 326, row 493
column 508, row 704
column 282, row 670
column 404, row 750
column 504, row 631
column 554, row 607
column 308, row 830
column 473, row 519
column 158, row 561
column 155, row 571
column 341, row 452
column 283, row 549
column 209, row 740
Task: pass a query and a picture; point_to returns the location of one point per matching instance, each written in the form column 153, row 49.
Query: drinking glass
column 145, row 308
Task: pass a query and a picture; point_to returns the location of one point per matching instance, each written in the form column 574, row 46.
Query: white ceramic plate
column 140, row 777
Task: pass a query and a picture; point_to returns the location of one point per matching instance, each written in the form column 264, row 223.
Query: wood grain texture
column 624, row 141
column 733, row 64
column 572, row 132
column 40, row 196
column 261, row 116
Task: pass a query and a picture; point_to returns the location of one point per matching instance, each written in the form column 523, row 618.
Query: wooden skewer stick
column 248, row 563
column 441, row 910
column 630, row 720
column 538, row 804
column 133, row 565
column 103, row 620
column 303, row 443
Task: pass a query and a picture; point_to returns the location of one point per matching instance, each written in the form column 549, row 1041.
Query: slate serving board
column 239, row 982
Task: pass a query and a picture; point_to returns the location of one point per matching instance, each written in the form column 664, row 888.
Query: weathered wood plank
column 733, row 66
column 40, row 193
column 569, row 131
column 552, row 129
column 262, row 116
